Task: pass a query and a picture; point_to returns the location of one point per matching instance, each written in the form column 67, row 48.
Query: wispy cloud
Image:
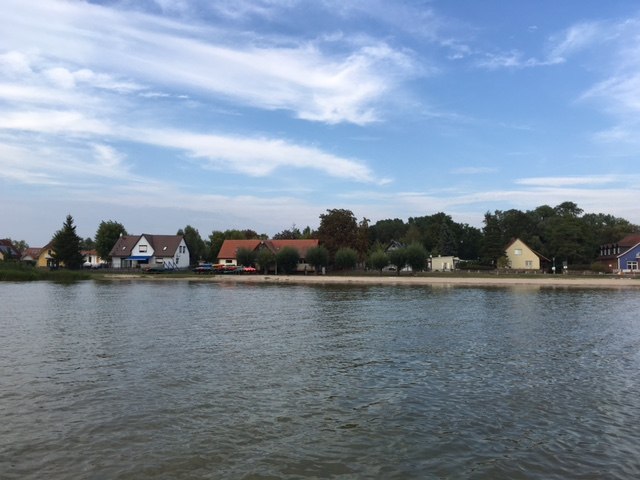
column 255, row 156
column 312, row 80
column 473, row 170
column 569, row 181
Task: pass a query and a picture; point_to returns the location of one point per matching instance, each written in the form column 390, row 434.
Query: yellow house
column 45, row 257
column 521, row 257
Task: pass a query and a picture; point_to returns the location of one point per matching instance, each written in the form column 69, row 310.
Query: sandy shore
column 498, row 280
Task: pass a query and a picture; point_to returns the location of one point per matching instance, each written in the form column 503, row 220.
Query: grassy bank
column 18, row 272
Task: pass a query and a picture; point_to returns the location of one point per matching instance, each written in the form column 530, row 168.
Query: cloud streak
column 258, row 72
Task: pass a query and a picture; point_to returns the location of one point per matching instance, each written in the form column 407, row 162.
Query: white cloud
column 255, row 156
column 473, row 170
column 263, row 73
column 569, row 181
column 53, row 122
column 576, row 38
column 514, row 59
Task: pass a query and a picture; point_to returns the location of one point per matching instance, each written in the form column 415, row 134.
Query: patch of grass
column 20, row 272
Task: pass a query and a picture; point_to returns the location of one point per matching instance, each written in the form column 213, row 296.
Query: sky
column 263, row 114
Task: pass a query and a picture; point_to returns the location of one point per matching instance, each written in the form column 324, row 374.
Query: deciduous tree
column 246, row 257
column 338, row 229
column 416, row 257
column 346, row 258
column 318, row 257
column 265, row 259
column 287, row 259
column 398, row 257
column 195, row 244
column 106, row 237
column 378, row 260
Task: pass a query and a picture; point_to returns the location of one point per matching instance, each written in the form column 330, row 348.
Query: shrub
column 346, row 258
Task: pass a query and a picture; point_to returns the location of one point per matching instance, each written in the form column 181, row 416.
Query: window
column 142, row 248
column 631, row 265
column 528, row 264
column 517, row 251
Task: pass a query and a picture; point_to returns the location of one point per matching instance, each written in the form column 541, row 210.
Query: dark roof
column 124, row 245
column 7, row 247
column 163, row 245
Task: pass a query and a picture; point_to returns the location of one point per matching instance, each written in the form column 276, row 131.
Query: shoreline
column 498, row 280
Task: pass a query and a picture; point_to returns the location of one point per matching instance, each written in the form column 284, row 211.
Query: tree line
column 564, row 232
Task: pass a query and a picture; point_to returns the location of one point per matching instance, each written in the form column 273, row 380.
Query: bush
column 318, row 257
column 287, row 259
column 598, row 267
column 378, row 260
column 346, row 259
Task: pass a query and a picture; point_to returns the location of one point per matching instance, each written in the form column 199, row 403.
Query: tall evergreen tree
column 66, row 245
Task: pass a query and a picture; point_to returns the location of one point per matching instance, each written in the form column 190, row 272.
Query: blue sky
column 263, row 114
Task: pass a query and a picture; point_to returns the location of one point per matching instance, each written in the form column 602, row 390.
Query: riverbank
column 609, row 281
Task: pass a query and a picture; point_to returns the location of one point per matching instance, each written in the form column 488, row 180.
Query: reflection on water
column 196, row 380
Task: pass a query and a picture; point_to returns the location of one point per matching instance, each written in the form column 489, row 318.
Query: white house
column 443, row 264
column 136, row 251
column 90, row 259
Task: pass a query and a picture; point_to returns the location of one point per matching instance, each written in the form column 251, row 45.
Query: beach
column 608, row 281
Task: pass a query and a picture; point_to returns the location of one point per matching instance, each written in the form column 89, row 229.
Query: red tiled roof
column 630, row 240
column 230, row 247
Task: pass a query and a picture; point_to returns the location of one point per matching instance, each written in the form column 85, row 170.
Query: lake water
column 181, row 380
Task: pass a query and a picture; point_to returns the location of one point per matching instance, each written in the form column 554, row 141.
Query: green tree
column 87, row 244
column 216, row 239
column 106, row 237
column 338, row 228
column 19, row 245
column 246, row 257
column 362, row 238
column 287, row 259
column 378, row 260
column 398, row 257
column 291, row 234
column 265, row 259
column 346, row 258
column 493, row 244
column 416, row 257
column 318, row 257
column 66, row 245
column 386, row 230
column 195, row 244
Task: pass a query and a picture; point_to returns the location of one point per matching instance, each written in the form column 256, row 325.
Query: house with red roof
column 227, row 255
column 622, row 256
column 138, row 251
